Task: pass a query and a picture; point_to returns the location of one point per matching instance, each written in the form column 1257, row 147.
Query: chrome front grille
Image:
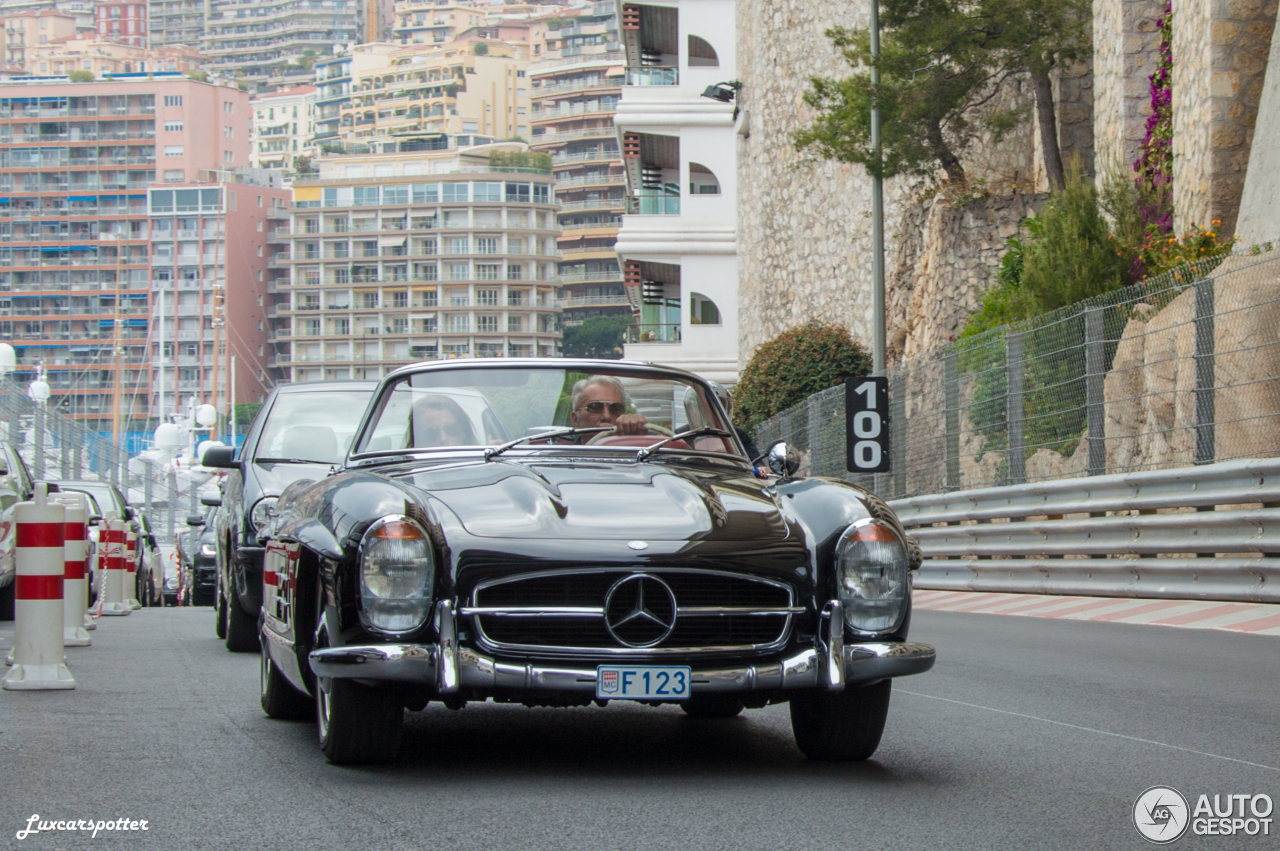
column 586, row 611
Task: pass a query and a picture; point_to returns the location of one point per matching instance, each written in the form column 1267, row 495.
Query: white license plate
column 643, row 682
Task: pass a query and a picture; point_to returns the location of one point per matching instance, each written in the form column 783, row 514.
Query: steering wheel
column 650, row 427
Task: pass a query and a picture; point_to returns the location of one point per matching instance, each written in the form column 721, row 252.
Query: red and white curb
column 1255, row 618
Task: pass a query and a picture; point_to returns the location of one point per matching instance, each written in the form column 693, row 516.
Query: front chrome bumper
column 448, row 667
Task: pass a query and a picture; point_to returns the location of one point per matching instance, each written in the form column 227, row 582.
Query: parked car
column 201, row 577
column 103, row 497
column 150, row 574
column 301, row 432
column 620, row 547
column 16, row 485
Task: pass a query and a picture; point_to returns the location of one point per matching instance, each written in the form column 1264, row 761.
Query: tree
column 793, row 366
column 482, row 49
column 81, row 76
column 302, row 164
column 245, row 412
column 597, row 337
column 942, row 63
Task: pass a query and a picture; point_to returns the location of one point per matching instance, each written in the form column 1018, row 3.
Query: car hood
column 272, row 477
column 601, row 501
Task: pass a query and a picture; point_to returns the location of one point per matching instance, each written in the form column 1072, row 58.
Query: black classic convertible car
column 555, row 533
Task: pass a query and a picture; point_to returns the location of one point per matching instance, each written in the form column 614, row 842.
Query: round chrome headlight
column 397, row 573
column 263, row 512
column 872, row 567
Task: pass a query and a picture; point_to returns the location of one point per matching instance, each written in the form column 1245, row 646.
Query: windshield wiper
column 288, row 461
column 495, row 451
column 696, row 432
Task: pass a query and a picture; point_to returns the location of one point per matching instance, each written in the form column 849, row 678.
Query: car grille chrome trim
column 701, row 629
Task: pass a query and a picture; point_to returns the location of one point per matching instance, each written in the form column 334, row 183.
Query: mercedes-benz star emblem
column 640, row 610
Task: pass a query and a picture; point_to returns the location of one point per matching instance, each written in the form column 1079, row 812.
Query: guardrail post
column 1204, row 360
column 1017, row 451
column 1094, row 375
column 898, row 432
column 37, row 438
column 951, row 418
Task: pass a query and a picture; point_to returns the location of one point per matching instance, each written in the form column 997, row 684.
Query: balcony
column 653, row 76
column 653, row 333
column 654, row 205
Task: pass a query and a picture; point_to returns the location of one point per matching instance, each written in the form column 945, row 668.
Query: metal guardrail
column 1210, row 532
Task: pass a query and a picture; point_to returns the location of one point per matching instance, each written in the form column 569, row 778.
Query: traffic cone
column 111, row 539
column 75, row 559
column 38, row 562
column 131, row 569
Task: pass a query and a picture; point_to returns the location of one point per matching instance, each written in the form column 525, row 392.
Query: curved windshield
column 311, row 427
column 442, row 409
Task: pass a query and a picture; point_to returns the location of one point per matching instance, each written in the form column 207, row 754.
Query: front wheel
column 357, row 725
column 841, row 726
column 278, row 696
column 242, row 630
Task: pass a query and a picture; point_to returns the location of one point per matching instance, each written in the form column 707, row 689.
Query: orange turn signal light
column 398, row 530
column 874, row 533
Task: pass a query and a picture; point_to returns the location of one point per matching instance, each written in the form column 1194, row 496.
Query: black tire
column 6, row 602
column 278, row 696
column 242, row 630
column 841, row 726
column 220, row 621
column 712, row 706
column 357, row 725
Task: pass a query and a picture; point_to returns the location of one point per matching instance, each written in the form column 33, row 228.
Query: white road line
column 1088, row 729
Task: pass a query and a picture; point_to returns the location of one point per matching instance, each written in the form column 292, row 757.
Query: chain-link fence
column 1181, row 369
column 60, row 448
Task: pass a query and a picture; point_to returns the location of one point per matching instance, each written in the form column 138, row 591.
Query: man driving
column 600, row 401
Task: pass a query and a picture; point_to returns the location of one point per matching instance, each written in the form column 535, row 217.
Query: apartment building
column 209, row 305
column 450, row 90
column 333, row 76
column 274, row 43
column 441, row 21
column 397, row 257
column 25, row 31
column 101, row 58
column 175, row 22
column 283, row 127
column 575, row 91
column 122, row 21
column 76, row 161
column 678, row 241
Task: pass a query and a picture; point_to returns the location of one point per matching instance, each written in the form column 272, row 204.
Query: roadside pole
column 877, row 208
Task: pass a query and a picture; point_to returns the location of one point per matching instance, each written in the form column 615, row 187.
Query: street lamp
column 723, row 92
column 38, row 391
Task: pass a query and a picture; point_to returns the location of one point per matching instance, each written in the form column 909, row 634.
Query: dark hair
column 437, row 402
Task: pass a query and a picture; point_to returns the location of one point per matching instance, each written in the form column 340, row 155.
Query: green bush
column 539, row 160
column 80, row 76
column 597, row 337
column 793, row 366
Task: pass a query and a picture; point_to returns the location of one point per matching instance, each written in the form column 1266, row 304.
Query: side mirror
column 784, row 459
column 195, row 519
column 220, row 456
column 127, row 514
column 95, row 520
column 213, row 500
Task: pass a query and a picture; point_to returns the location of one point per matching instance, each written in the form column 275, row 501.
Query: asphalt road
column 1029, row 734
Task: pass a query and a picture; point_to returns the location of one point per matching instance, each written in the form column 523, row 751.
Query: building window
column 173, row 127
column 460, row 323
column 487, row 298
column 486, row 324
column 515, row 272
column 228, row 132
column 228, row 107
column 487, row 192
column 515, row 324
column 425, row 271
column 455, row 192
column 365, row 196
column 173, row 150
column 369, row 299
column 173, row 175
column 395, row 194
column 458, row 271
column 488, row 272
column 486, row 245
column 228, row 156
column 458, row 245
column 173, row 100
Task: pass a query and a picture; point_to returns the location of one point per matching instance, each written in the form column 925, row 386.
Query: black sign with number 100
column 866, row 413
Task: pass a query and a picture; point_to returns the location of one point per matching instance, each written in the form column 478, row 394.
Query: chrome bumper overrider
column 448, row 667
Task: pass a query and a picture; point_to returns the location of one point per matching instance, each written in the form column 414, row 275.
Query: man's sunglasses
column 598, row 408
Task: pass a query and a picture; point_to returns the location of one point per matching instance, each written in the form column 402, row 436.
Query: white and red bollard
column 38, row 560
column 111, row 541
column 75, row 558
column 131, row 569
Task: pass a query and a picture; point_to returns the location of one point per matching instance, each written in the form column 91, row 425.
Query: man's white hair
column 581, row 387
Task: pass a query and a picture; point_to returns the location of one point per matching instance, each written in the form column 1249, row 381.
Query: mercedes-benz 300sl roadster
column 557, row 533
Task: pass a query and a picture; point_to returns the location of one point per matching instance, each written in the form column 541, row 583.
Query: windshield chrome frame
column 613, row 367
